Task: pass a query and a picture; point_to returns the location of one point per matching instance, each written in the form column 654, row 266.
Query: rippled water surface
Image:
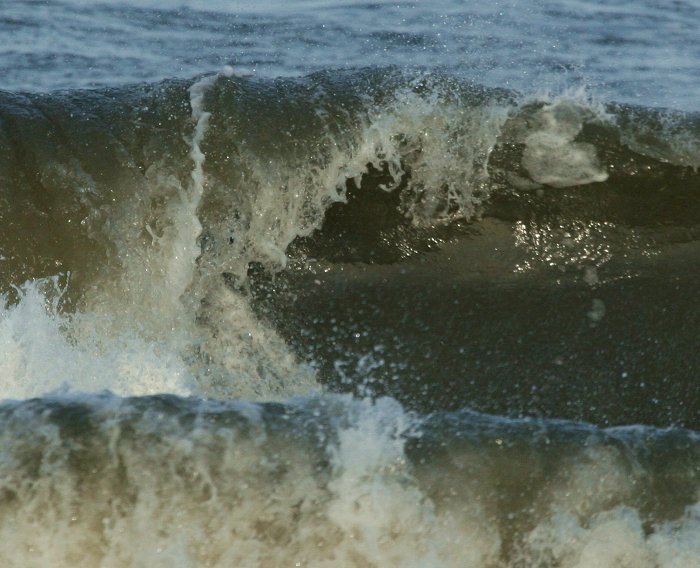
column 644, row 52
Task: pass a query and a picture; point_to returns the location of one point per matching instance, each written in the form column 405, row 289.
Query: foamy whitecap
column 551, row 154
column 44, row 352
column 319, row 482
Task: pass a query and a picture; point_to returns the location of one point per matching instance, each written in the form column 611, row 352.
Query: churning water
column 338, row 284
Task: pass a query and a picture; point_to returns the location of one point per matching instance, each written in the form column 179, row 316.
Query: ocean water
column 349, row 284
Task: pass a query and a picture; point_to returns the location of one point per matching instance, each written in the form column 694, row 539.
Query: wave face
column 446, row 303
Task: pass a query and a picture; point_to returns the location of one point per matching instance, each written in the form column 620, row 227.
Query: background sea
column 349, row 283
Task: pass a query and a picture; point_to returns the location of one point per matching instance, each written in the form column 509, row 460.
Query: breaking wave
column 424, row 243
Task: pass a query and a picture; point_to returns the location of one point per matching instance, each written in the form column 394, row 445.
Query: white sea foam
column 41, row 354
column 615, row 539
column 444, row 145
column 157, row 321
column 145, row 484
column 439, row 147
column 233, row 338
column 551, row 155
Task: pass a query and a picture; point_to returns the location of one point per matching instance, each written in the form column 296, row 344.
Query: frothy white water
column 118, row 483
column 186, row 248
column 614, row 539
column 159, row 494
column 265, row 199
column 551, row 154
column 232, row 337
column 553, row 158
column 159, row 319
column 445, row 147
column 379, row 504
column 41, row 352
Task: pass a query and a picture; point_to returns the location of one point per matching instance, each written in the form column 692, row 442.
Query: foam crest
column 45, row 351
column 442, row 144
column 41, row 354
column 181, row 493
column 552, row 156
column 614, row 539
column 376, row 500
column 240, row 356
column 321, row 482
column 431, row 148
